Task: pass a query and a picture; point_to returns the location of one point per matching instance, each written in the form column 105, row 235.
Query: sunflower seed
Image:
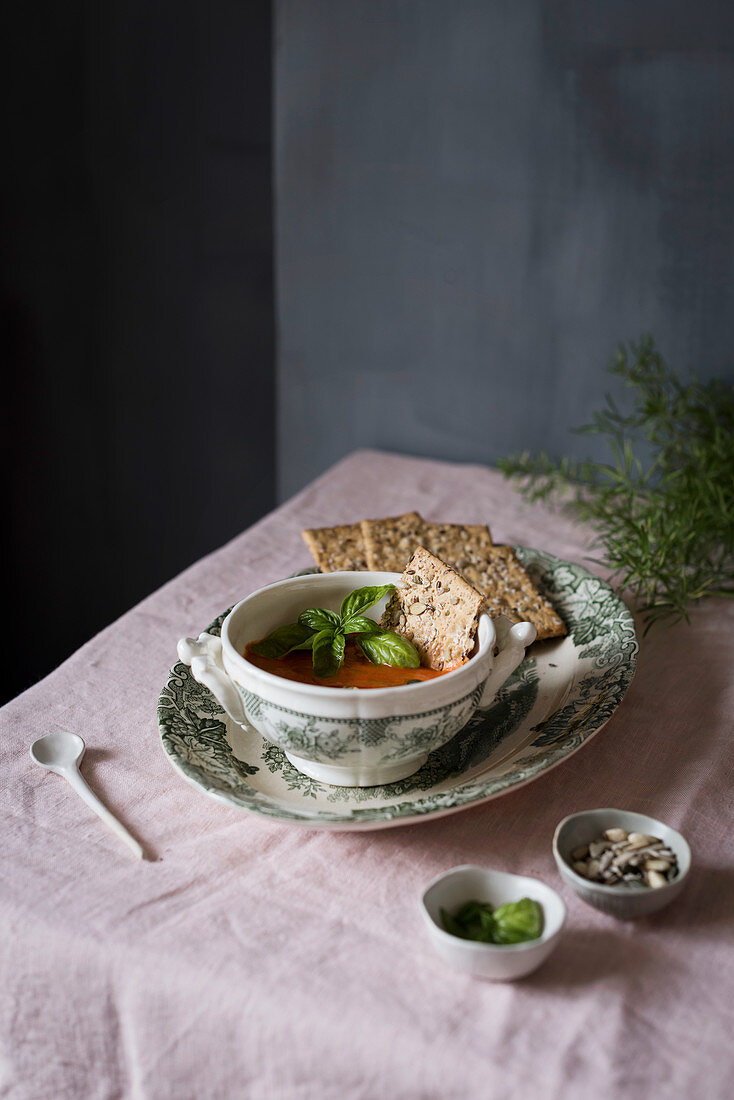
column 616, row 857
column 656, row 865
column 606, row 860
column 639, row 840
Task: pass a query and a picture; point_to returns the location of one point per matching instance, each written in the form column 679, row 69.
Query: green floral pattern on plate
column 516, row 739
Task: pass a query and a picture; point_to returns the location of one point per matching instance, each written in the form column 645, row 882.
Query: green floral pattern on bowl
column 330, row 739
column 560, row 695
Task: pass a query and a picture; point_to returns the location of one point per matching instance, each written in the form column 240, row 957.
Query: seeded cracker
column 508, row 590
column 458, row 544
column 335, row 548
column 390, row 542
column 436, row 609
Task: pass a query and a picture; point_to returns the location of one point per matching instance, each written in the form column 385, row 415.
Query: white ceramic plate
column 561, row 695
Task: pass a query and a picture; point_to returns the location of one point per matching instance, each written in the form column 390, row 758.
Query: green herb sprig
column 514, row 922
column 663, row 507
column 325, row 634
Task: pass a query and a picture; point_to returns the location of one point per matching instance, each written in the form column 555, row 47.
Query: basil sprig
column 324, row 633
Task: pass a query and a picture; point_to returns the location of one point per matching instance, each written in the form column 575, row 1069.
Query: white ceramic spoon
column 62, row 753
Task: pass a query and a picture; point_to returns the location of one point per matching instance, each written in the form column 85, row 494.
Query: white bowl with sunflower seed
column 626, row 864
column 346, row 737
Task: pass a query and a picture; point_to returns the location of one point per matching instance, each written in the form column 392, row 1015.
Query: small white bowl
column 625, row 901
column 497, row 962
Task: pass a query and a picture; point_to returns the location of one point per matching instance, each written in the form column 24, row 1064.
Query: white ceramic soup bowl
column 347, row 737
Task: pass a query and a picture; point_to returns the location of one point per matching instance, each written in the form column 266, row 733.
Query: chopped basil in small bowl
column 514, row 922
column 492, row 924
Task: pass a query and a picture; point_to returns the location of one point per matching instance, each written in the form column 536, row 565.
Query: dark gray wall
column 477, row 201
column 136, row 301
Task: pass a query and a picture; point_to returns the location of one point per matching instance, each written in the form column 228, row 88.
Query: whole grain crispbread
column 509, row 590
column 389, row 542
column 335, row 548
column 458, row 544
column 436, row 609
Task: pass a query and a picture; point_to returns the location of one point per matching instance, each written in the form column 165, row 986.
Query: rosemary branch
column 663, row 506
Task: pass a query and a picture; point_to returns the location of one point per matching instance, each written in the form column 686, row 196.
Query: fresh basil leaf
column 452, row 925
column 283, row 640
column 318, row 619
column 328, row 653
column 387, row 648
column 362, row 598
column 360, row 624
column 470, row 911
column 338, row 647
column 518, row 921
column 476, row 921
column 487, row 925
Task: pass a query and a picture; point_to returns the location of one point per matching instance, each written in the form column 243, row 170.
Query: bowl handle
column 512, row 642
column 204, row 655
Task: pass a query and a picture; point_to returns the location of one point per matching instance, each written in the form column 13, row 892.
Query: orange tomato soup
column 356, row 672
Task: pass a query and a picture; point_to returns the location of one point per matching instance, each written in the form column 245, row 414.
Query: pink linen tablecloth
column 249, row 958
